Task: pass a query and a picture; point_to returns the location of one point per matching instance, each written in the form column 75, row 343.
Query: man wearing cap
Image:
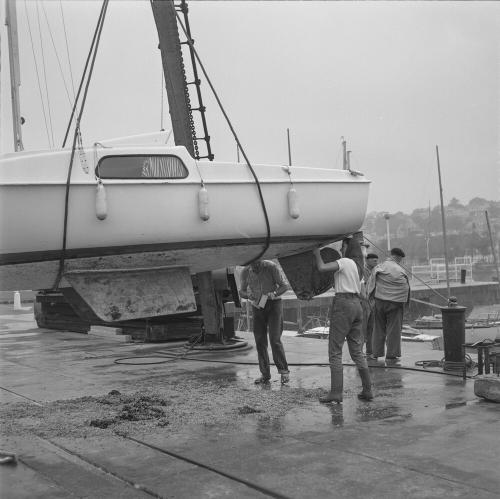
column 390, row 287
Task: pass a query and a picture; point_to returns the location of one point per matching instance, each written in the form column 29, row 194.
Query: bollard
column 453, row 336
column 17, row 301
column 463, row 273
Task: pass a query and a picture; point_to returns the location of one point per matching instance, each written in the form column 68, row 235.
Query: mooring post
column 453, row 335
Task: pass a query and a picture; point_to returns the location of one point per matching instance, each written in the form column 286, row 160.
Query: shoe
column 285, row 378
column 392, row 358
column 366, row 393
column 371, row 357
column 262, row 380
column 331, row 397
column 336, row 387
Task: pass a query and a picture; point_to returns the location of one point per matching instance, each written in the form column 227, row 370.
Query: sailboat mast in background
column 15, row 73
column 444, row 226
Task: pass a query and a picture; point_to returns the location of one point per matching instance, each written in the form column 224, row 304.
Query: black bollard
column 453, row 335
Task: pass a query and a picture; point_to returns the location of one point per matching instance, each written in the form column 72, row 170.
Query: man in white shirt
column 346, row 320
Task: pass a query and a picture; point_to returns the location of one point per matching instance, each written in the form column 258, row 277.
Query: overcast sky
column 394, row 78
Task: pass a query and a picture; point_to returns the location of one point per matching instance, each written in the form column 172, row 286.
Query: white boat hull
column 156, row 222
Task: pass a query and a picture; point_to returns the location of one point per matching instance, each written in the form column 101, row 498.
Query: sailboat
column 142, row 219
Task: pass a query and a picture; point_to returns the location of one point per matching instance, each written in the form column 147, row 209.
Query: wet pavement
column 424, row 435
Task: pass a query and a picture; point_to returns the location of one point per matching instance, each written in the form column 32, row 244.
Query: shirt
column 265, row 281
column 390, row 282
column 346, row 279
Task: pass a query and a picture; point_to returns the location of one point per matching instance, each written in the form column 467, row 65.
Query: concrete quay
column 425, row 435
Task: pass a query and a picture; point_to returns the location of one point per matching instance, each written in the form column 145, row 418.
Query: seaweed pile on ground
column 173, row 405
column 138, row 407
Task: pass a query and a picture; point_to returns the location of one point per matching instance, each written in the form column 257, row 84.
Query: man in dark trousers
column 368, row 303
column 262, row 283
column 346, row 320
column 391, row 289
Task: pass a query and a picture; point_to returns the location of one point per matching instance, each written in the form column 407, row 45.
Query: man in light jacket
column 391, row 289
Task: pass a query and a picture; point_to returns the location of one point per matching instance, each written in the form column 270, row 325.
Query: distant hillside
column 421, row 234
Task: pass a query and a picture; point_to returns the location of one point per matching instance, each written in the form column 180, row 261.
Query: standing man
column 368, row 302
column 262, row 283
column 346, row 319
column 390, row 286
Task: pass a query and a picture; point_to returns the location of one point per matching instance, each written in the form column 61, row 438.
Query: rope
column 37, row 73
column 45, row 74
column 263, row 204
column 170, row 357
column 97, row 36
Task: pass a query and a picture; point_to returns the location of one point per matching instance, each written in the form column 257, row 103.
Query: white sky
column 394, row 78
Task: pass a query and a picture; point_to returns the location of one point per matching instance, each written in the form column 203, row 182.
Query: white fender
column 203, row 204
column 293, row 203
column 101, row 205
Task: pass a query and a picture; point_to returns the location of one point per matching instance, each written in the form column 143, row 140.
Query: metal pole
column 444, row 226
column 344, row 154
column 348, row 160
column 492, row 247
column 238, row 152
column 15, row 73
column 289, row 149
column 387, row 216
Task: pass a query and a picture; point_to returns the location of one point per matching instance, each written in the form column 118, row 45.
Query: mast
column 493, row 251
column 444, row 226
column 15, row 73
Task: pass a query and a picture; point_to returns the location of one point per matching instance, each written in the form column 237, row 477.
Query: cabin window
column 154, row 167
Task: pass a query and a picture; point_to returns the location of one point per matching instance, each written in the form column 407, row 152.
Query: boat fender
column 101, row 205
column 293, row 203
column 203, row 203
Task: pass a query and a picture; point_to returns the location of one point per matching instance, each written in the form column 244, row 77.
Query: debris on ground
column 170, row 406
column 7, row 458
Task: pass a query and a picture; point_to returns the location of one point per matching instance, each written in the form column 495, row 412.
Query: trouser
column 387, row 330
column 367, row 330
column 346, row 319
column 264, row 319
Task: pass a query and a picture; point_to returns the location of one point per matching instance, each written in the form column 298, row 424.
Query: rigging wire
column 67, row 49
column 42, row 102
column 45, row 74
column 57, row 54
column 84, row 75
column 76, row 136
column 228, row 121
